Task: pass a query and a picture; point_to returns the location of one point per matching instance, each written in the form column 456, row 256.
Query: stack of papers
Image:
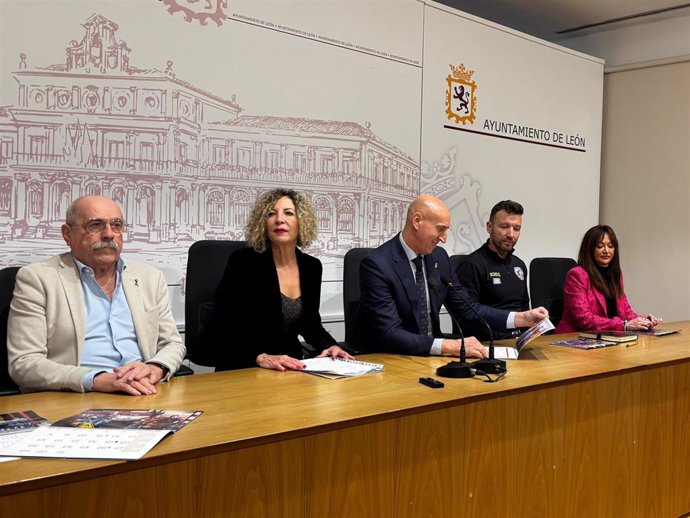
column 655, row 331
column 584, row 343
column 13, row 425
column 100, row 434
column 610, row 335
column 339, row 367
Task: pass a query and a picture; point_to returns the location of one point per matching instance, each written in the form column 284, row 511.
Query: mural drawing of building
column 183, row 163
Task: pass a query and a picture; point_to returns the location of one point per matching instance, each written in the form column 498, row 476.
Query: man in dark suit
column 402, row 291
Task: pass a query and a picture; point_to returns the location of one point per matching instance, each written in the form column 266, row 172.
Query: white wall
column 380, row 68
column 645, row 173
column 636, row 41
column 645, row 187
column 520, row 82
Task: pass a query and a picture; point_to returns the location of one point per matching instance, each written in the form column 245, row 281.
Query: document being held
column 512, row 353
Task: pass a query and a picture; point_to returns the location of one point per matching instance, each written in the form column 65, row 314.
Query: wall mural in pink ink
column 461, row 193
column 202, row 12
column 184, row 163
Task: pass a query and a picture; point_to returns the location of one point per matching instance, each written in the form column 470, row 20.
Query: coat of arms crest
column 461, row 95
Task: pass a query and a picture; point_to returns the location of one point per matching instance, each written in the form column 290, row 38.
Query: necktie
column 421, row 293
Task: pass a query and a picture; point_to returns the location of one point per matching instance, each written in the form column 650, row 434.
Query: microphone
column 454, row 369
column 489, row 365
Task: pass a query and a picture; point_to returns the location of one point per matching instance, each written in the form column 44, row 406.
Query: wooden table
column 566, row 433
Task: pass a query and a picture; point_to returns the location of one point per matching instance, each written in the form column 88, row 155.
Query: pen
column 630, row 344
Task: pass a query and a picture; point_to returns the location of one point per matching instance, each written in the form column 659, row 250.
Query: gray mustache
column 105, row 244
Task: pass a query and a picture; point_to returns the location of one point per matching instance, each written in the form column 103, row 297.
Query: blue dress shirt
column 110, row 340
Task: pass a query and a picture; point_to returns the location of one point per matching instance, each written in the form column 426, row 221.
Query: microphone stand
column 489, row 365
column 454, row 369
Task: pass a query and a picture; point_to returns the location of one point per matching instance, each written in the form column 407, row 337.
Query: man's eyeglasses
column 96, row 226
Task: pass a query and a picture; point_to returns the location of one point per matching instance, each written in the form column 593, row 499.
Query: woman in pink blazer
column 593, row 294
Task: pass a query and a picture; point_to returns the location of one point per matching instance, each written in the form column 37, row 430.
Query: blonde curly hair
column 255, row 231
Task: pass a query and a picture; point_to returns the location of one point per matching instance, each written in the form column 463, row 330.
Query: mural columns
column 339, row 160
column 362, row 162
column 283, row 156
column 311, row 159
column 205, row 150
column 21, row 142
column 195, row 146
column 366, row 218
column 227, row 220
column 334, row 219
column 158, row 200
column 258, row 158
column 130, row 205
column 162, row 151
column 198, row 211
column 21, row 209
column 23, row 96
column 75, row 188
column 174, row 112
column 170, row 148
column 194, row 210
column 41, row 222
column 230, row 152
column 357, row 225
column 129, row 148
column 167, row 221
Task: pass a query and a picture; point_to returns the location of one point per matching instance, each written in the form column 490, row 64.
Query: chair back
column 455, row 261
column 546, row 279
column 7, row 278
column 351, row 293
column 206, row 263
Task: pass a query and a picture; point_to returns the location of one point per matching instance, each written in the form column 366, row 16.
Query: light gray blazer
column 45, row 338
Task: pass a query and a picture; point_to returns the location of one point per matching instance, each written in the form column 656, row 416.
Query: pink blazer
column 584, row 307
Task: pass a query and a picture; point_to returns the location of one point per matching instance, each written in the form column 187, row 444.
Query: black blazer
column 248, row 314
column 389, row 319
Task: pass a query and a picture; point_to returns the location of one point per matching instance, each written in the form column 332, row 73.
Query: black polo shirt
column 495, row 282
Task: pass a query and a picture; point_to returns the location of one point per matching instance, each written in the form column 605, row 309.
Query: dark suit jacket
column 248, row 315
column 389, row 308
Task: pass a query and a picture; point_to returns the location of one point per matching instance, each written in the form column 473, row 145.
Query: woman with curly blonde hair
column 270, row 292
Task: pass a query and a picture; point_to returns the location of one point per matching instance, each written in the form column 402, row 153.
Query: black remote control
column 431, row 382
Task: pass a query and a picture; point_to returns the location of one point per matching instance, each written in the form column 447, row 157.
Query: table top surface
column 254, row 406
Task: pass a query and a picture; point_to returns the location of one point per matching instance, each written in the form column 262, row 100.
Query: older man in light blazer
column 86, row 320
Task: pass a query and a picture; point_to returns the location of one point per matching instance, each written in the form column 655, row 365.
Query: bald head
column 83, row 205
column 427, row 224
column 426, row 204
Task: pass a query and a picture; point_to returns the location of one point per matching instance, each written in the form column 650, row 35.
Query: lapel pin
column 136, row 283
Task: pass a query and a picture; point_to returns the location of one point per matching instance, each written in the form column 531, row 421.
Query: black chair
column 546, row 279
column 206, row 263
column 351, row 294
column 455, row 261
column 7, row 277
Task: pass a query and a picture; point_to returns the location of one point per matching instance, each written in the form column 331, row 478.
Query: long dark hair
column 607, row 280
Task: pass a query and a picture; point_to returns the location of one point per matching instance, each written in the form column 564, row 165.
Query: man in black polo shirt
column 494, row 276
